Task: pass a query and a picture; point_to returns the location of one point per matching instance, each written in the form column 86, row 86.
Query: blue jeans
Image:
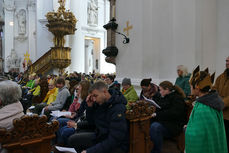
column 66, row 132
column 157, row 132
column 62, row 123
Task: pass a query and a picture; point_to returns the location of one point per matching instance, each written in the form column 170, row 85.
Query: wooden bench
column 30, row 134
column 139, row 117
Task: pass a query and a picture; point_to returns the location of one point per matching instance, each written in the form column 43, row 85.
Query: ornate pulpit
column 60, row 23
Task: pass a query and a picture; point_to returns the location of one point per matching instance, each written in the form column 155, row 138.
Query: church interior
column 109, row 76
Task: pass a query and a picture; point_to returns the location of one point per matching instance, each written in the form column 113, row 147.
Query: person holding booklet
column 169, row 119
column 68, row 125
column 149, row 90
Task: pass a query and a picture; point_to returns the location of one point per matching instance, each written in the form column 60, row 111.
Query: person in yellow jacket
column 52, row 93
column 49, row 98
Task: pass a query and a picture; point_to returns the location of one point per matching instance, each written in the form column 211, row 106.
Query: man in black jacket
column 106, row 110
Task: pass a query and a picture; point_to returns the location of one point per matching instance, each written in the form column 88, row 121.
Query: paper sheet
column 152, row 102
column 59, row 113
column 65, row 149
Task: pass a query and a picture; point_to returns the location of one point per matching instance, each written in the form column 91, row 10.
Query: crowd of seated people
column 97, row 106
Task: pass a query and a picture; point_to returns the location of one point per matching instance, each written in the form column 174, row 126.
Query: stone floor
column 170, row 147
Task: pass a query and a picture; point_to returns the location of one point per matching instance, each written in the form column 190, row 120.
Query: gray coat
column 60, row 99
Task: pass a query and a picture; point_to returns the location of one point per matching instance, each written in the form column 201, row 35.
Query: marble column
column 9, row 9
column 32, row 29
column 1, row 49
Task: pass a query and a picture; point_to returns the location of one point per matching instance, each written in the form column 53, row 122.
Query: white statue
column 92, row 12
column 21, row 22
column 89, row 46
column 13, row 61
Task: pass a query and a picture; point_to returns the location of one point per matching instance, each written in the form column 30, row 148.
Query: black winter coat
column 111, row 125
column 173, row 113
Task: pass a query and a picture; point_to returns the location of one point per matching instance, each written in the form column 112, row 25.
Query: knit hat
column 126, row 81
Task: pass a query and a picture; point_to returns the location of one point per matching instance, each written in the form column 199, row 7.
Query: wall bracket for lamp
column 113, row 26
column 126, row 39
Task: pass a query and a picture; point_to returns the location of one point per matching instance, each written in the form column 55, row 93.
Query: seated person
column 112, row 84
column 40, row 93
column 149, row 90
column 168, row 121
column 19, row 77
column 49, row 98
column 60, row 99
column 31, row 82
column 106, row 110
column 67, row 124
column 205, row 131
column 128, row 91
column 10, row 106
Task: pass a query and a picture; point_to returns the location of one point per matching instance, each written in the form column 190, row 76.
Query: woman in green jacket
column 128, row 91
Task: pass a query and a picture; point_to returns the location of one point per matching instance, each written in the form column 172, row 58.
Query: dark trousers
column 83, row 140
column 226, row 124
column 157, row 133
column 38, row 108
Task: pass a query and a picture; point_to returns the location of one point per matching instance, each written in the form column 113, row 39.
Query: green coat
column 130, row 94
column 183, row 83
column 205, row 131
column 30, row 84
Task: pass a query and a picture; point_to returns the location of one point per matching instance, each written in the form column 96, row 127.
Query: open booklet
column 59, row 113
column 65, row 149
column 152, row 102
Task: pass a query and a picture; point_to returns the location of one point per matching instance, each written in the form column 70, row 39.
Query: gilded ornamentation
column 61, row 23
column 139, row 109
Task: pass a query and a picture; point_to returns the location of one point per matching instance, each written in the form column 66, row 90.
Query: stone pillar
column 1, row 49
column 9, row 9
column 32, row 30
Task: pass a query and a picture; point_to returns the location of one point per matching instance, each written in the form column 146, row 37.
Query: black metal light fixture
column 113, row 26
column 112, row 51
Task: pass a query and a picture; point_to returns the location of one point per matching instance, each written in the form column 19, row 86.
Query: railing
column 56, row 57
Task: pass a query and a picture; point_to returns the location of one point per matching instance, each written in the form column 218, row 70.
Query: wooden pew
column 139, row 126
column 30, row 134
column 139, row 135
column 139, row 117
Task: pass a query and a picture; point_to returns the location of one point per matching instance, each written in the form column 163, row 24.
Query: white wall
column 44, row 37
column 165, row 33
column 77, row 43
column 222, row 35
